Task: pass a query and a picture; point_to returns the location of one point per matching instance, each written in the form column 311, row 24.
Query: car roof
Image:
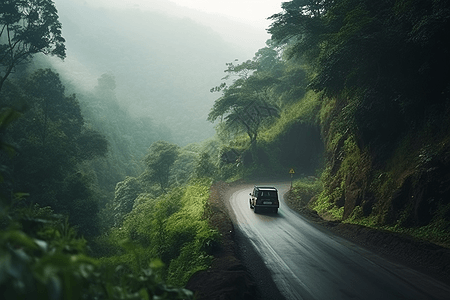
column 266, row 188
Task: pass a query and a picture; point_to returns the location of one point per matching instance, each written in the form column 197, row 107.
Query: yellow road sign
column 291, row 171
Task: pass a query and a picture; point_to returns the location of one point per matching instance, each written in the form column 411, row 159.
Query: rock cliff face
column 423, row 194
column 409, row 186
column 400, row 179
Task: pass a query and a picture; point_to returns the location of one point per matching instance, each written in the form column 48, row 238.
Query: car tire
column 256, row 210
column 275, row 210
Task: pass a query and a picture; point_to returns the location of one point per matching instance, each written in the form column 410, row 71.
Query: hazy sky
column 241, row 22
column 113, row 36
column 252, row 12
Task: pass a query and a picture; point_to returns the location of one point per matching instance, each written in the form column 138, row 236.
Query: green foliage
column 378, row 50
column 301, row 24
column 292, row 84
column 191, row 236
column 42, row 257
column 27, row 28
column 270, row 78
column 308, row 187
column 324, row 204
column 172, row 228
column 246, row 106
column 134, row 190
column 128, row 137
column 53, row 142
column 357, row 217
column 292, row 141
column 435, row 232
column 352, row 157
column 7, row 116
column 93, row 144
column 159, row 160
column 50, row 263
column 205, row 167
column 355, row 103
column 304, row 110
column 304, row 192
column 125, row 194
column 376, row 86
column 352, row 164
column 182, row 171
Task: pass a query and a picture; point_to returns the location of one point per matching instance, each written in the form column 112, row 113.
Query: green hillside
column 362, row 94
column 98, row 202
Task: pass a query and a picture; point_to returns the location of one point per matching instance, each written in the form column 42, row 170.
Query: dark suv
column 264, row 197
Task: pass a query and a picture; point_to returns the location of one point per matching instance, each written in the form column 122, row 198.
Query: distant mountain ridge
column 164, row 66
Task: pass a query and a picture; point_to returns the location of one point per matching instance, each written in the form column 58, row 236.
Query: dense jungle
column 105, row 182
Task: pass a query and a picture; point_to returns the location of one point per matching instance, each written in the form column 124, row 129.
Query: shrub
column 171, row 228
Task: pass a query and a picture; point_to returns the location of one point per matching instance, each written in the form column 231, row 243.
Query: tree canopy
column 159, row 159
column 246, row 105
column 51, row 141
column 27, row 28
column 389, row 54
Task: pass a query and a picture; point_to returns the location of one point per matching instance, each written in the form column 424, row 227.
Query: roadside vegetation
column 95, row 204
column 363, row 101
column 171, row 229
column 92, row 205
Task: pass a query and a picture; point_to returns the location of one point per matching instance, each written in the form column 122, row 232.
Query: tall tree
column 245, row 105
column 204, row 166
column 301, row 25
column 390, row 54
column 159, row 159
column 26, row 28
column 51, row 140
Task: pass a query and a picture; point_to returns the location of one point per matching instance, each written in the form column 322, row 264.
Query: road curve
column 307, row 262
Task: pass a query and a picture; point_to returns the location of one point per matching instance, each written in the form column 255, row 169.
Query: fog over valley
column 164, row 62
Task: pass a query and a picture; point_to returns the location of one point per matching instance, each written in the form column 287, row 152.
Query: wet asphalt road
column 307, row 262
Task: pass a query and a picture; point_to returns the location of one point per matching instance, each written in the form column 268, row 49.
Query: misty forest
column 105, row 178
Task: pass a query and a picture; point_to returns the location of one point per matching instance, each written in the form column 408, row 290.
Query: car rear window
column 268, row 194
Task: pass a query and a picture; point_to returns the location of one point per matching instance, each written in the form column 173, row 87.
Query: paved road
column 307, row 262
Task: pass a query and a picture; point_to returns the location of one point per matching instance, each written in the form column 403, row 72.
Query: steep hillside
column 361, row 93
column 384, row 109
column 403, row 185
